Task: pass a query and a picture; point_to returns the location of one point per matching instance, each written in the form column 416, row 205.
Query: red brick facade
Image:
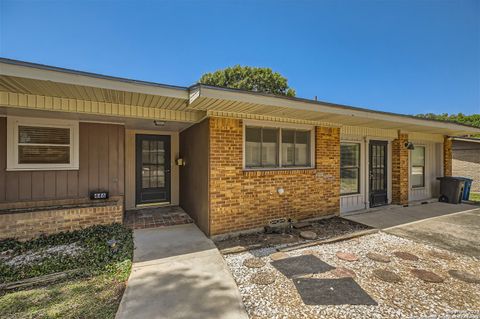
column 241, row 200
column 447, row 156
column 400, row 170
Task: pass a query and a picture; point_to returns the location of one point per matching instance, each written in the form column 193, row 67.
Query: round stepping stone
column 346, row 256
column 378, row 257
column 342, row 272
column 263, row 278
column 427, row 275
column 311, row 252
column 307, row 234
column 440, row 254
column 387, row 275
column 254, row 263
column 464, row 276
column 278, row 255
column 406, row 256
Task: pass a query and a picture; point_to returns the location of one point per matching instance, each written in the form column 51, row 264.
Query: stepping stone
column 308, row 234
column 342, row 272
column 311, row 252
column 406, row 256
column 387, row 275
column 378, row 257
column 278, row 255
column 263, row 278
column 301, row 225
column 441, row 254
column 301, row 265
column 464, row 276
column 343, row 291
column 347, row 256
column 253, row 263
column 427, row 276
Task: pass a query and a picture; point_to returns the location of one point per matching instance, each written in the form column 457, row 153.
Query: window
column 41, row 144
column 418, row 166
column 272, row 147
column 349, row 168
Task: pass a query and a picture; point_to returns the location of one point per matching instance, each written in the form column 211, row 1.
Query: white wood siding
column 433, row 169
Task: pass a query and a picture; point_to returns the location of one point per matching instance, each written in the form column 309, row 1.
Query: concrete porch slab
column 179, row 273
column 391, row 217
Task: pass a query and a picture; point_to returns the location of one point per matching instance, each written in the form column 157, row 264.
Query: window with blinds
column 42, row 144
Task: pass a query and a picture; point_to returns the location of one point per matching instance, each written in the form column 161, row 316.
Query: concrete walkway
column 178, row 273
column 391, row 217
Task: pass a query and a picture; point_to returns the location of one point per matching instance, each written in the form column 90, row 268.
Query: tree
column 472, row 120
column 250, row 79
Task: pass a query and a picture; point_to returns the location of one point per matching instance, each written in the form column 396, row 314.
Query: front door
column 378, row 173
column 152, row 169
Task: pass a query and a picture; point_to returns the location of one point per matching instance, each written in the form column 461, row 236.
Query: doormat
column 343, row 291
column 301, row 265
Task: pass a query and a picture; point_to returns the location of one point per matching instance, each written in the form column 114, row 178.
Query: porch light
column 409, row 146
column 159, row 123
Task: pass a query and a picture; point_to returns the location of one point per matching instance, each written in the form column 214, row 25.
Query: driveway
column 452, row 227
column 178, row 273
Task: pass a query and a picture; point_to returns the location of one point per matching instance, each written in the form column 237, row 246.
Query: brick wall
column 241, row 200
column 28, row 225
column 400, row 170
column 447, row 156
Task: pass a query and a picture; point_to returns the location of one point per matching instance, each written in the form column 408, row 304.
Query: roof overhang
column 209, row 98
column 467, row 139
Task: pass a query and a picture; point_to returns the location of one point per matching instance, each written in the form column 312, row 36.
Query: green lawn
column 474, row 197
column 94, row 293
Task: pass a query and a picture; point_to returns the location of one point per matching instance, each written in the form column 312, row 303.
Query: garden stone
column 254, row 263
column 342, row 272
column 278, row 255
column 387, row 275
column 427, row 276
column 263, row 278
column 406, row 256
column 308, row 234
column 464, row 276
column 378, row 257
column 346, row 256
column 440, row 254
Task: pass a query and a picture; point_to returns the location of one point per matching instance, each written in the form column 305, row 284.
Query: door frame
column 167, row 165
column 366, row 180
column 386, row 170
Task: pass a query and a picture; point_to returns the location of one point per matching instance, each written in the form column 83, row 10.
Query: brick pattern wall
column 242, row 200
column 400, row 170
column 447, row 156
column 28, row 225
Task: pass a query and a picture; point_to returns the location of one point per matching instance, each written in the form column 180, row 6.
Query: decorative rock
column 441, row 254
column 406, row 256
column 342, row 272
column 346, row 256
column 254, row 263
column 387, row 275
column 464, row 276
column 263, row 278
column 378, row 257
column 426, row 275
column 307, row 234
column 278, row 255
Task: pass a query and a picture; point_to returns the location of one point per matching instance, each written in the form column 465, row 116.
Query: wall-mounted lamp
column 180, row 162
column 159, row 123
column 409, row 146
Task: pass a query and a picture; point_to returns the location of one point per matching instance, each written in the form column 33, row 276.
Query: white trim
column 360, row 167
column 12, row 143
column 279, row 126
column 102, row 122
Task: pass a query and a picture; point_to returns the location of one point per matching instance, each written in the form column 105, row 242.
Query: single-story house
column 466, row 159
column 233, row 160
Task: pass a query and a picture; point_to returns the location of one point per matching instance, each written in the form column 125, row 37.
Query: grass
column 475, row 197
column 94, row 294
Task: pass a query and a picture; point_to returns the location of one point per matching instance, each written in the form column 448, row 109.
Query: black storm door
column 152, row 169
column 377, row 173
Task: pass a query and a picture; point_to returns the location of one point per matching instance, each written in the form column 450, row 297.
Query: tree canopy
column 473, row 120
column 249, row 78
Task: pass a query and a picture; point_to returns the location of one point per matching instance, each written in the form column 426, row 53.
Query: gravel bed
column 411, row 297
column 32, row 256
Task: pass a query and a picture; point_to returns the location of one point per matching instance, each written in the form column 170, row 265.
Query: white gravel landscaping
column 410, row 298
column 32, row 256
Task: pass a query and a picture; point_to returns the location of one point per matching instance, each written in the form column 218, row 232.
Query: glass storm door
column 378, row 173
column 152, row 169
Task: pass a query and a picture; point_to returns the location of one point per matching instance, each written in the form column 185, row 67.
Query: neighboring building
column 233, row 160
column 466, row 159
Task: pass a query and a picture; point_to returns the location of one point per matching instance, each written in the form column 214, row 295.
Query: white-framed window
column 349, row 168
column 41, row 144
column 418, row 166
column 270, row 146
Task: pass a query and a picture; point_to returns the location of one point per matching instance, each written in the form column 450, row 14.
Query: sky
column 398, row 56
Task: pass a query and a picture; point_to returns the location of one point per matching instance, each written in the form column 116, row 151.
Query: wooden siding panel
column 50, row 185
column 103, row 158
column 38, row 185
column 83, row 172
column 72, row 184
column 11, row 185
column 121, row 160
column 3, row 156
column 61, row 184
column 93, row 171
column 112, row 159
column 25, row 185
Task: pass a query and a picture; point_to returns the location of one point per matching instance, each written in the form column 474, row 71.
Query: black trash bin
column 451, row 189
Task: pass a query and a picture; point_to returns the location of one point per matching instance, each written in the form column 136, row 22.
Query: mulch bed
column 324, row 228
